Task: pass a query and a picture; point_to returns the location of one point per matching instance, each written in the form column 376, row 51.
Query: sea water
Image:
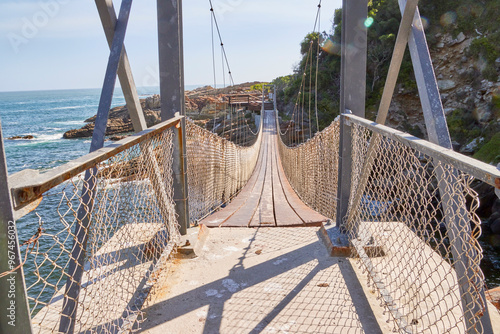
column 47, row 115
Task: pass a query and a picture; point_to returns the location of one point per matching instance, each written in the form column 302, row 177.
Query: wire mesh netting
column 311, row 169
column 414, row 229
column 132, row 226
column 217, row 169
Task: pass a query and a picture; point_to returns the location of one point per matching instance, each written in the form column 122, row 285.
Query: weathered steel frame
column 352, row 90
column 411, row 32
column 171, row 57
column 108, row 19
column 12, row 286
column 78, row 252
column 390, row 85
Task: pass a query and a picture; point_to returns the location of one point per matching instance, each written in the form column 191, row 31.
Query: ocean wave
column 48, row 137
column 70, row 122
column 70, row 107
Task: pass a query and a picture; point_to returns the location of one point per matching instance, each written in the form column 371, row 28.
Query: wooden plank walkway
column 268, row 199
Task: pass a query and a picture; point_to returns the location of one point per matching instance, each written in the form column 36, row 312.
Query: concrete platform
column 263, row 280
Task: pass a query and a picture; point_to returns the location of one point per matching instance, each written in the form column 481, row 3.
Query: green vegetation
column 490, row 152
column 258, row 86
column 463, row 127
column 471, row 17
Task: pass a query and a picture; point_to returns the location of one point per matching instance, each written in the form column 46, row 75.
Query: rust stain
column 497, row 183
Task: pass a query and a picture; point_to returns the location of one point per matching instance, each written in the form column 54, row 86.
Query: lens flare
column 425, row 22
column 331, row 47
column 448, row 18
column 368, row 22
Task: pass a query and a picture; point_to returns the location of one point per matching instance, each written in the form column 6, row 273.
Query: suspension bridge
column 358, row 228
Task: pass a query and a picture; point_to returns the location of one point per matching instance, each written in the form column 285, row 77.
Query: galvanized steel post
column 14, row 309
column 352, row 90
column 78, row 252
column 108, row 19
column 170, row 46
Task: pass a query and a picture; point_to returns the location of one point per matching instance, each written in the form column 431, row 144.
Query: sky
column 60, row 44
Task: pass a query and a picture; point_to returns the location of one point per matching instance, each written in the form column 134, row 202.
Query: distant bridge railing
column 101, row 226
column 312, row 168
column 217, row 169
column 413, row 224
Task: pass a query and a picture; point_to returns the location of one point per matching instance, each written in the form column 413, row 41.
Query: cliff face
column 468, row 97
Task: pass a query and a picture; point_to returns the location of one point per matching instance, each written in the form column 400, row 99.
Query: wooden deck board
column 285, row 215
column 267, row 200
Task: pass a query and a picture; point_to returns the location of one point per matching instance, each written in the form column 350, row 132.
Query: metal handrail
column 478, row 169
column 28, row 185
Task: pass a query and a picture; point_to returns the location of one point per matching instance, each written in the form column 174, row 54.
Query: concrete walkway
column 265, row 280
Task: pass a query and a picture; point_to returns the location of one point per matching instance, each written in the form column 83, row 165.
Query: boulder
column 445, row 85
column 495, row 226
column 460, row 38
column 471, row 147
column 482, row 113
column 153, row 102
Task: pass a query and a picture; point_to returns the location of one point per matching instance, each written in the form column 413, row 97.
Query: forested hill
column 464, row 39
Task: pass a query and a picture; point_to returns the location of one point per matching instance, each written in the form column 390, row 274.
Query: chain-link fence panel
column 414, row 229
column 312, row 169
column 131, row 227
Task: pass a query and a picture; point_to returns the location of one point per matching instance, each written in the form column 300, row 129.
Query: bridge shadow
column 303, row 290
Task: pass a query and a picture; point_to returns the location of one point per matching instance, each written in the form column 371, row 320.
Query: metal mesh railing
column 132, row 226
column 414, row 229
column 312, row 169
column 217, row 169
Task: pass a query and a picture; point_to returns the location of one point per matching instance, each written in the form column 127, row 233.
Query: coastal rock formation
column 28, row 137
column 203, row 100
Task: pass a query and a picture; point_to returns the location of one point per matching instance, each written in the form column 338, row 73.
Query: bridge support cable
column 302, row 107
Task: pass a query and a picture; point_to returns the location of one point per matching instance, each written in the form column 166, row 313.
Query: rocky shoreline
column 203, row 100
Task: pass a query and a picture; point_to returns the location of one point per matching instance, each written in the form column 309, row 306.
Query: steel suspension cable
column 221, row 42
column 317, row 67
column 214, row 70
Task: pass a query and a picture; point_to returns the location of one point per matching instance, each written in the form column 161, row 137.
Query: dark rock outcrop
column 28, row 137
column 119, row 121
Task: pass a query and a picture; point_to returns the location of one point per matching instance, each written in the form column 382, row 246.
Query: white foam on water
column 46, row 137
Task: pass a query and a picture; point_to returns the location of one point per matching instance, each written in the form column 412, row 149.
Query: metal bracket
column 347, row 122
